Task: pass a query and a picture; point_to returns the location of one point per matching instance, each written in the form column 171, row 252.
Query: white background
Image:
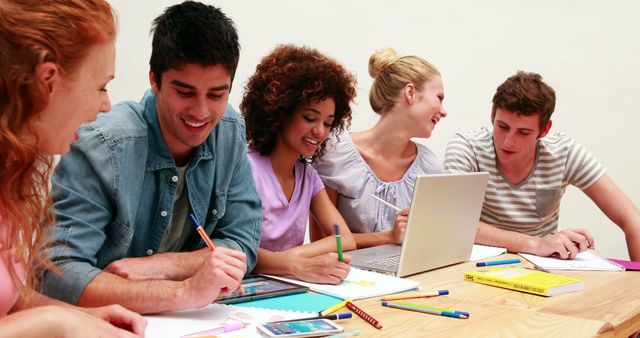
column 589, row 51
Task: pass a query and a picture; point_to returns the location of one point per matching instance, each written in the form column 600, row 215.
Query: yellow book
column 525, row 280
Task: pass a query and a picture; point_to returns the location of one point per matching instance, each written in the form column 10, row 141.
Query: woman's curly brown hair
column 287, row 78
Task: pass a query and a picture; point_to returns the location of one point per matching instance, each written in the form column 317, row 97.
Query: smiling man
column 124, row 193
column 529, row 172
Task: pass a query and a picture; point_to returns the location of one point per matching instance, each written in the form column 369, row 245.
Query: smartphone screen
column 300, row 328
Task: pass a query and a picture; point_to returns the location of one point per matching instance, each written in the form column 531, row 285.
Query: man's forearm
column 513, row 241
column 142, row 296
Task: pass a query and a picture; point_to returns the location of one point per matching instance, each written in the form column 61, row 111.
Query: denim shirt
column 113, row 194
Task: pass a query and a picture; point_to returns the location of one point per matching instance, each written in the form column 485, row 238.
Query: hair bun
column 380, row 60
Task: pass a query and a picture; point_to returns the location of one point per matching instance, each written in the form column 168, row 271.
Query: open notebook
column 360, row 284
column 586, row 260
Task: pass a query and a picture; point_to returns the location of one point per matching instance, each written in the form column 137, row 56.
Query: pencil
column 408, row 295
column 367, row 317
column 386, row 203
column 425, row 309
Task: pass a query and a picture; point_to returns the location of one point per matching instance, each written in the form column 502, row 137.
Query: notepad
column 628, row 265
column 360, row 284
column 586, row 260
column 484, row 251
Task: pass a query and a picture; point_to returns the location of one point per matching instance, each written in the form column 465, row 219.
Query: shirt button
column 163, row 213
column 149, row 252
column 214, row 212
column 174, row 178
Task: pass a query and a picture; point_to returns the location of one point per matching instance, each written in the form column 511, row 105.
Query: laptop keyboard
column 385, row 262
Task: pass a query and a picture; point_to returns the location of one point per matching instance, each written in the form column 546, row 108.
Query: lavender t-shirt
column 283, row 222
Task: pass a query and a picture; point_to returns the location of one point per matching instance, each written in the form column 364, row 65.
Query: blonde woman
column 407, row 93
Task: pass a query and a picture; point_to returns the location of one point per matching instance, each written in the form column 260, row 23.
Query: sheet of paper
column 480, row 252
column 586, row 260
column 177, row 324
column 360, row 284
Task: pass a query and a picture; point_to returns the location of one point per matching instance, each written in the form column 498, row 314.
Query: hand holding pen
column 400, row 225
column 229, row 266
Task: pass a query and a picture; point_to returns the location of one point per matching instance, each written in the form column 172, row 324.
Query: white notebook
column 484, row 251
column 360, row 284
column 586, row 260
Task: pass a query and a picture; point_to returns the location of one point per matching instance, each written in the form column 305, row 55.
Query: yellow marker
column 335, row 308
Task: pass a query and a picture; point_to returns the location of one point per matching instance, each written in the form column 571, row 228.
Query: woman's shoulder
column 427, row 162
column 341, row 154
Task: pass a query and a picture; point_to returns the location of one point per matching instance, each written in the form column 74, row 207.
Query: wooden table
column 609, row 306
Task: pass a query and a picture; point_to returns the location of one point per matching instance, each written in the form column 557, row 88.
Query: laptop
column 442, row 224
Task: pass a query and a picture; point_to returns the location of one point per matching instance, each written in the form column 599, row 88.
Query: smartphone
column 302, row 328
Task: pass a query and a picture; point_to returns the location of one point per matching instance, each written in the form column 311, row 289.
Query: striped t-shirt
column 533, row 206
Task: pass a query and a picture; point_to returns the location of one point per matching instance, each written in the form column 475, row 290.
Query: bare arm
column 56, row 318
column 326, row 215
column 565, row 244
column 174, row 266
column 367, row 239
column 613, row 202
column 222, row 271
column 323, row 268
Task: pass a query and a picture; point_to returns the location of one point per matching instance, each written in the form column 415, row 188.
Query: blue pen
column 505, row 261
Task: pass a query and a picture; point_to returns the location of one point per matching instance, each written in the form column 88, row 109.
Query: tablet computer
column 259, row 287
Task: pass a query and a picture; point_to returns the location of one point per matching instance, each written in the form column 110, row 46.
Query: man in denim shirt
column 123, row 194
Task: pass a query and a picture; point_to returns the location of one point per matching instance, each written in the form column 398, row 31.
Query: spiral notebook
column 586, row 260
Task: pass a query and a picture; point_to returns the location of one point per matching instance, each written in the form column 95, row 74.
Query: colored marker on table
column 335, row 316
column 416, row 294
column 334, row 308
column 504, row 261
column 336, row 227
column 432, row 308
column 426, row 309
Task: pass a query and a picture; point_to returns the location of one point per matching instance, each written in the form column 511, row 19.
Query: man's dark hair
column 192, row 32
column 526, row 94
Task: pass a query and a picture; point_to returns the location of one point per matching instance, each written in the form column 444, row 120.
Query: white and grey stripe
column 533, row 206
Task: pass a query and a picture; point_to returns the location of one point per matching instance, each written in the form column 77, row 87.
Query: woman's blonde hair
column 33, row 32
column 391, row 73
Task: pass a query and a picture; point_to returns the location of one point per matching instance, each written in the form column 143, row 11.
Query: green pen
column 338, row 242
column 433, row 308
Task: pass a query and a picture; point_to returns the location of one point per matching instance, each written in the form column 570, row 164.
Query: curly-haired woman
column 295, row 99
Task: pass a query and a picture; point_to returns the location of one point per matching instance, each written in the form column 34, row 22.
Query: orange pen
column 206, row 239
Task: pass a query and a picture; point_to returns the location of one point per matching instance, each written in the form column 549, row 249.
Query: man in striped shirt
column 530, row 171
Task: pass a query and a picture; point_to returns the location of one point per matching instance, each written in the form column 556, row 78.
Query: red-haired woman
column 56, row 57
